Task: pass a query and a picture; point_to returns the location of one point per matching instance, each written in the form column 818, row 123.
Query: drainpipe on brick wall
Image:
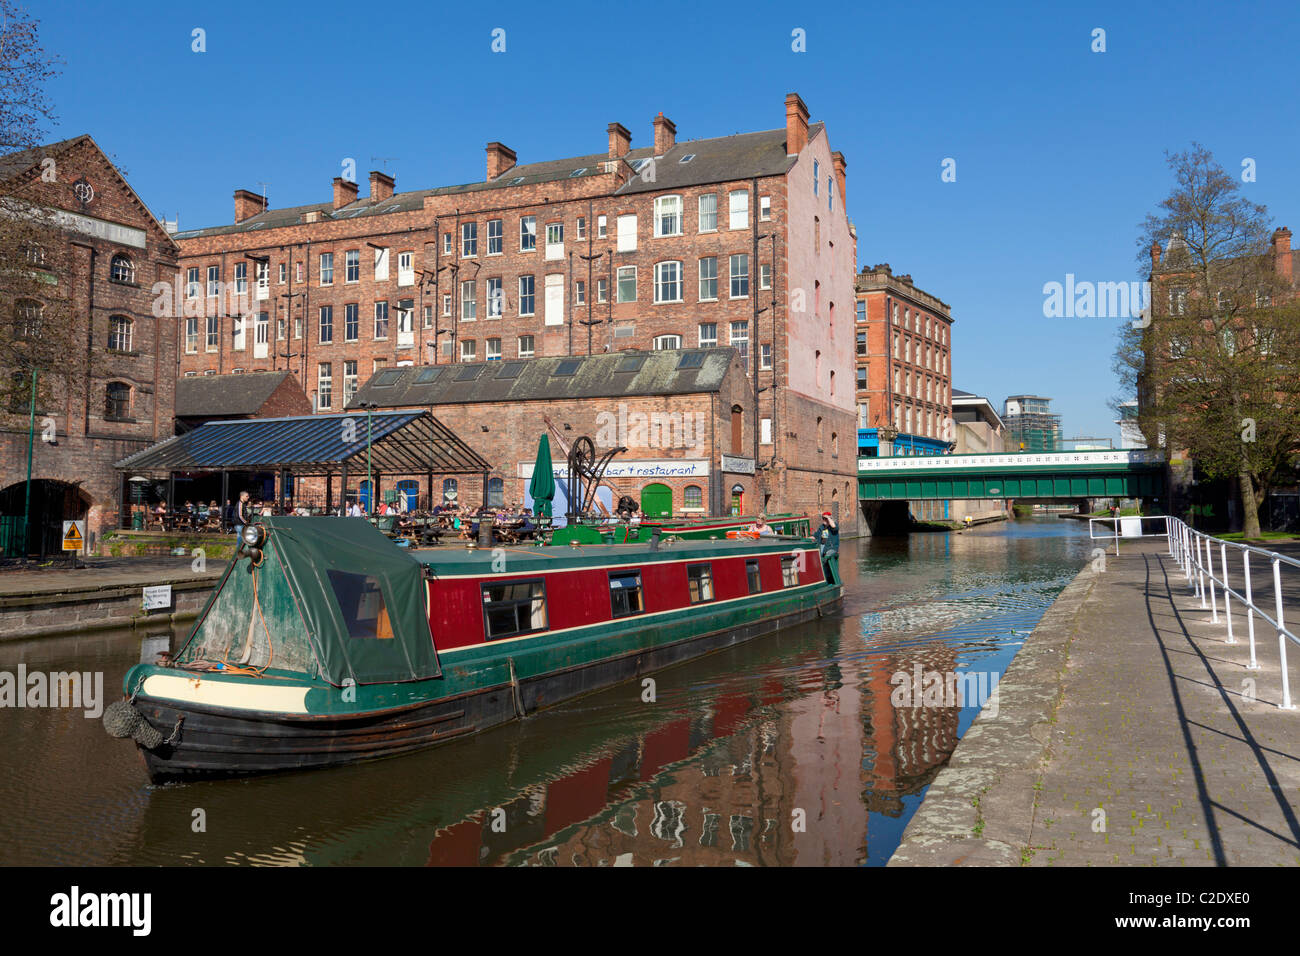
column 90, row 342
column 715, row 495
column 306, row 310
column 754, row 271
column 568, row 298
column 775, row 332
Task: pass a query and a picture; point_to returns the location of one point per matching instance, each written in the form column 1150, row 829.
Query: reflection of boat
column 325, row 644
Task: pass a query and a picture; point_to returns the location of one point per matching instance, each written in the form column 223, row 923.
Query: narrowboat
column 705, row 529
column 326, row 644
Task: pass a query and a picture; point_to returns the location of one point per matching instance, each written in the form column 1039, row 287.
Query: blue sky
column 1059, row 150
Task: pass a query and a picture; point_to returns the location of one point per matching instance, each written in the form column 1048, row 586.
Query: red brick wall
column 86, row 442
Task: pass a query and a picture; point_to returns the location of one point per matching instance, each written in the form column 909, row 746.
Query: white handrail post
column 1200, row 573
column 1227, row 599
column 1250, row 609
column 1209, row 573
column 1116, row 523
column 1281, row 633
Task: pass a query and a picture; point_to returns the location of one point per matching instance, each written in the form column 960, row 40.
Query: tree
column 1214, row 368
column 36, row 327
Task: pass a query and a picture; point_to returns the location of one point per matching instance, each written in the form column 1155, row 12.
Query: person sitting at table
column 761, row 527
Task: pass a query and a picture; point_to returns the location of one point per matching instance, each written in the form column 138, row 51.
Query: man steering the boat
column 828, row 536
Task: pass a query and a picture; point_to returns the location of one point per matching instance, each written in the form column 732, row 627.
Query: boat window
column 518, row 607
column 751, row 572
column 362, row 602
column 625, row 593
column 699, row 579
column 790, row 570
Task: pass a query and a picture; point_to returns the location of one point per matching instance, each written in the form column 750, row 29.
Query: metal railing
column 1194, row 552
column 1128, row 526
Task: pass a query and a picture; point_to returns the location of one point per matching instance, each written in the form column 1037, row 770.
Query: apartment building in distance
column 1031, row 425
column 903, row 345
column 738, row 241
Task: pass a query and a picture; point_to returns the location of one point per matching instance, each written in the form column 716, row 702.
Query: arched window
column 496, row 492
column 117, row 400
column 693, row 497
column 835, row 443
column 737, row 430
column 119, row 333
column 821, row 430
column 820, row 492
column 121, row 269
column 408, row 494
column 449, row 491
column 34, row 254
column 27, row 318
column 665, row 342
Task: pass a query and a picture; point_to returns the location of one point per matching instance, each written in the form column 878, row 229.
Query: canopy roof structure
column 408, row 442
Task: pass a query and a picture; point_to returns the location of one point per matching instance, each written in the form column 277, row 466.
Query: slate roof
column 607, row 375
column 719, row 159
column 13, row 163
column 222, row 395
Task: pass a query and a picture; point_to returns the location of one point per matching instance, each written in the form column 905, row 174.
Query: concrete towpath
column 1128, row 733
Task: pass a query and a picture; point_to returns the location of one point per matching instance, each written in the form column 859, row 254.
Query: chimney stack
column 500, row 157
column 247, row 205
column 796, row 125
column 1282, row 254
column 665, row 134
column 381, row 186
column 840, row 164
column 345, row 192
column 620, row 140
column 1155, row 256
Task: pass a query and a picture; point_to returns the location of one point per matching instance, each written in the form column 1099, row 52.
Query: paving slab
column 1129, row 732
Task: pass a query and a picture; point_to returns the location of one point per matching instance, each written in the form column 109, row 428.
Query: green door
column 657, row 501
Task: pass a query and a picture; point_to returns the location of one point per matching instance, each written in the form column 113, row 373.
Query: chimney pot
column 620, row 140
column 248, row 204
column 1155, row 256
column 665, row 134
column 381, row 186
column 796, row 124
column 345, row 192
column 1282, row 254
column 840, row 164
column 500, row 158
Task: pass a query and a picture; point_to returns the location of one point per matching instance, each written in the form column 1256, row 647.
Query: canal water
column 813, row 746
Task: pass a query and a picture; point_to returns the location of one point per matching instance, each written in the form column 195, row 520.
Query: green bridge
column 1067, row 475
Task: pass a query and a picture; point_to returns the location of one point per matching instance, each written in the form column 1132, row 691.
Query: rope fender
column 123, row 720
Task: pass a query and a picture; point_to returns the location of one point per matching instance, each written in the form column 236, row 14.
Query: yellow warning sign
column 73, row 535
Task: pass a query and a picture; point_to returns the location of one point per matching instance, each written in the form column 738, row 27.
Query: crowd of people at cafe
column 509, row 523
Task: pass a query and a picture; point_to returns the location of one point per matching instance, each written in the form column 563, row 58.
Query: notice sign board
column 74, row 535
column 1130, row 527
column 158, row 598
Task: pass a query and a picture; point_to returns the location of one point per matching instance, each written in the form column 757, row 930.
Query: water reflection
column 787, row 751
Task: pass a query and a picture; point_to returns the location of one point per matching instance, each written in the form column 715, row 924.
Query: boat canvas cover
column 332, row 589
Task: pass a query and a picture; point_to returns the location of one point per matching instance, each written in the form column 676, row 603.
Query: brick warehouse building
column 101, row 253
column 903, row 343
column 738, row 241
column 676, row 412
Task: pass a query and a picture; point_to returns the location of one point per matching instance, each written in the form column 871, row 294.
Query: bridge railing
column 1195, row 553
column 1128, row 526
